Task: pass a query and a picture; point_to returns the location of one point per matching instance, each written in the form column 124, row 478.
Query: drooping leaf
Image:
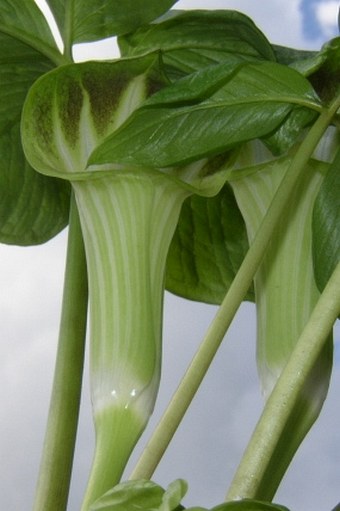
column 143, row 495
column 82, row 21
column 32, row 208
column 190, row 40
column 325, row 226
column 209, row 112
column 207, row 249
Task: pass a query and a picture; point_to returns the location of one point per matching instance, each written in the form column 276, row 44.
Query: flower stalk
column 56, row 463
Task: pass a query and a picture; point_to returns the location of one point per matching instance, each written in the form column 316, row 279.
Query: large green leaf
column 190, row 40
column 207, row 249
column 83, row 21
column 208, row 112
column 32, row 208
column 325, row 225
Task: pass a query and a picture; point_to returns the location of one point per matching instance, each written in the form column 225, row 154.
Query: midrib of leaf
column 279, row 99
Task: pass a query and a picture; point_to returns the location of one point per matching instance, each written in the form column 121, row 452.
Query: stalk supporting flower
column 56, row 463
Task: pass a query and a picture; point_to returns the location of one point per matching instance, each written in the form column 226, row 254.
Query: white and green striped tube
column 127, row 224
column 284, row 285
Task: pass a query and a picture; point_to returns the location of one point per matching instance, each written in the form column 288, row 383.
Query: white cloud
column 327, row 15
column 281, row 22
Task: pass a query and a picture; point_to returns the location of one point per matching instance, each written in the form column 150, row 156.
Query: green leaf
column 24, row 22
column 207, row 249
column 82, row 21
column 249, row 505
column 32, row 208
column 190, row 38
column 207, row 113
column 143, row 495
column 325, row 226
column 173, row 495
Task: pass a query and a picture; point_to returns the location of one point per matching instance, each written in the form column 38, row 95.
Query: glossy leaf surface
column 193, row 38
column 209, row 112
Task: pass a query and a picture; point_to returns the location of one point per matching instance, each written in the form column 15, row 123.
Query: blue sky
column 211, row 440
column 313, row 13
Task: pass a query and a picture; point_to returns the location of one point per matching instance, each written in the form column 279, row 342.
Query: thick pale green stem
column 282, row 402
column 214, row 336
column 128, row 222
column 56, row 464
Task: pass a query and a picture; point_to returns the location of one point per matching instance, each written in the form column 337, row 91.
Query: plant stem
column 67, row 32
column 195, row 373
column 57, row 459
column 281, row 402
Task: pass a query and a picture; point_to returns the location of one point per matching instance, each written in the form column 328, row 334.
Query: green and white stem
column 127, row 222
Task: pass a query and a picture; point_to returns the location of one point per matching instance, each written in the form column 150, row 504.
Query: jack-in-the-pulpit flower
column 128, row 216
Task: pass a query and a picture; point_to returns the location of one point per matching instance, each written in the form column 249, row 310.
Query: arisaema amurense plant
column 203, row 160
column 128, row 216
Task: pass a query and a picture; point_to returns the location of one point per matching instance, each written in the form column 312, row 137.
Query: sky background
column 209, row 443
